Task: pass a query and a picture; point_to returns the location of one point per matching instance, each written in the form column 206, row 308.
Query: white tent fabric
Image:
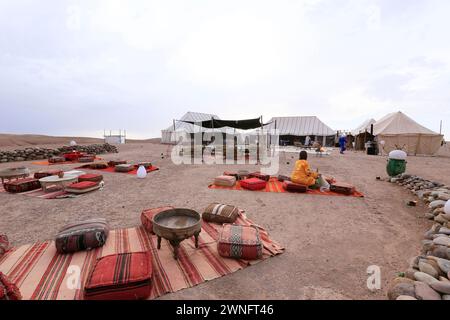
column 398, row 131
column 365, row 126
column 168, row 135
column 300, row 126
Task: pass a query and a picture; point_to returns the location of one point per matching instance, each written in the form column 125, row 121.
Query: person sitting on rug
column 302, row 174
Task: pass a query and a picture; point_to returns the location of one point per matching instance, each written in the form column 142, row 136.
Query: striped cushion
column 124, row 167
column 8, row 290
column 98, row 165
column 294, row 187
column 240, row 242
column 82, row 235
column 56, row 159
column 225, row 181
column 22, row 185
column 220, row 213
column 90, row 177
column 147, row 217
column 125, row 276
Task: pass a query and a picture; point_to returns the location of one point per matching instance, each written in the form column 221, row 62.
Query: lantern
column 141, row 172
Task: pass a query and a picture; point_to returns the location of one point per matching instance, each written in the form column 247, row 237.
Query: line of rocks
column 428, row 274
column 36, row 153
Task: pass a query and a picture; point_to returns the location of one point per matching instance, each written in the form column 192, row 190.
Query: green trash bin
column 396, row 163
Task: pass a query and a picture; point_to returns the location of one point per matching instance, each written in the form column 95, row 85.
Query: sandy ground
column 330, row 241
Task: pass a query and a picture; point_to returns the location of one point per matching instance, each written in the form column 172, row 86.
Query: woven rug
column 273, row 185
column 46, row 163
column 39, row 193
column 112, row 169
column 43, row 274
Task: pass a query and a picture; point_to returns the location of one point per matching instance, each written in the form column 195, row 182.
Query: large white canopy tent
column 296, row 129
column 398, row 131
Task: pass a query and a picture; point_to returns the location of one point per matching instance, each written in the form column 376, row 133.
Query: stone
column 441, row 286
column 444, row 265
column 444, row 196
column 444, row 230
column 424, row 292
column 440, row 219
column 404, row 288
column 442, row 240
column 439, row 251
column 405, row 298
column 409, row 273
column 429, row 216
column 424, row 277
column 428, row 269
column 436, row 204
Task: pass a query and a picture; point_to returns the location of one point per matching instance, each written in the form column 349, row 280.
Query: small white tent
column 398, row 131
column 168, row 135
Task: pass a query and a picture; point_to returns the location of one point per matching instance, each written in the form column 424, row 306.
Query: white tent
column 168, row 135
column 364, row 127
column 297, row 128
column 398, row 131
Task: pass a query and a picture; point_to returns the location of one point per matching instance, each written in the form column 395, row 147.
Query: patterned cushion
column 22, row 185
column 8, row 290
column 282, row 178
column 343, row 188
column 114, row 163
column 86, row 159
column 243, row 174
column 90, row 177
column 231, row 173
column 225, row 181
column 253, row 184
column 220, row 213
column 4, row 244
column 259, row 175
column 98, row 165
column 82, row 235
column 42, row 174
column 294, row 187
column 240, row 242
column 73, row 156
column 124, row 167
column 125, row 276
column 147, row 217
column 56, row 159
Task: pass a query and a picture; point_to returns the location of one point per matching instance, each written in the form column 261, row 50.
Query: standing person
column 342, row 142
column 307, row 141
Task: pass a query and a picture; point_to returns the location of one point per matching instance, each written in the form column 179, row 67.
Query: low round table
column 176, row 225
column 14, row 173
column 55, row 180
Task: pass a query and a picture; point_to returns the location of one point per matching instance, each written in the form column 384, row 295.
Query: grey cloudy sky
column 77, row 67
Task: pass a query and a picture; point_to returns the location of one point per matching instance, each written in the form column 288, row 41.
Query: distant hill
column 26, row 140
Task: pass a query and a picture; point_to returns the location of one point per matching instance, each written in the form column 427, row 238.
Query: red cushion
column 294, row 187
column 125, row 276
column 83, row 185
column 240, row 242
column 147, row 217
column 253, row 184
column 8, row 290
column 22, row 185
column 90, row 177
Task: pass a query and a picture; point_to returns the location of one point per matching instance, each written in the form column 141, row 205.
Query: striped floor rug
column 43, row 274
column 39, row 193
column 273, row 185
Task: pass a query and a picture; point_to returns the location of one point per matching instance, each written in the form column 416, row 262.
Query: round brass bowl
column 177, row 225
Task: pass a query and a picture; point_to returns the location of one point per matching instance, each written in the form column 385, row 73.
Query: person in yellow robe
column 302, row 173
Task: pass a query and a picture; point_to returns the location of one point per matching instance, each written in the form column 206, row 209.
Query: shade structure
column 296, row 129
column 398, row 131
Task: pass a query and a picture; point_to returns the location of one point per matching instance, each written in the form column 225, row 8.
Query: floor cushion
column 343, row 188
column 87, row 158
column 294, row 187
column 8, row 290
column 56, row 159
column 42, row 174
column 22, row 185
column 225, row 181
column 114, row 163
column 259, row 175
column 145, row 164
column 240, row 242
column 82, row 187
column 282, row 178
column 253, row 184
column 147, row 217
column 90, row 177
column 4, row 244
column 82, row 235
column 73, row 156
column 125, row 276
column 231, row 173
column 124, row 167
column 98, row 165
column 243, row 174
column 220, row 213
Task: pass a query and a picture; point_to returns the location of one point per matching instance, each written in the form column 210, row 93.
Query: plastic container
column 396, row 163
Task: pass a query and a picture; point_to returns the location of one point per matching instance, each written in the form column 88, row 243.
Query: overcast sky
column 78, row 67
